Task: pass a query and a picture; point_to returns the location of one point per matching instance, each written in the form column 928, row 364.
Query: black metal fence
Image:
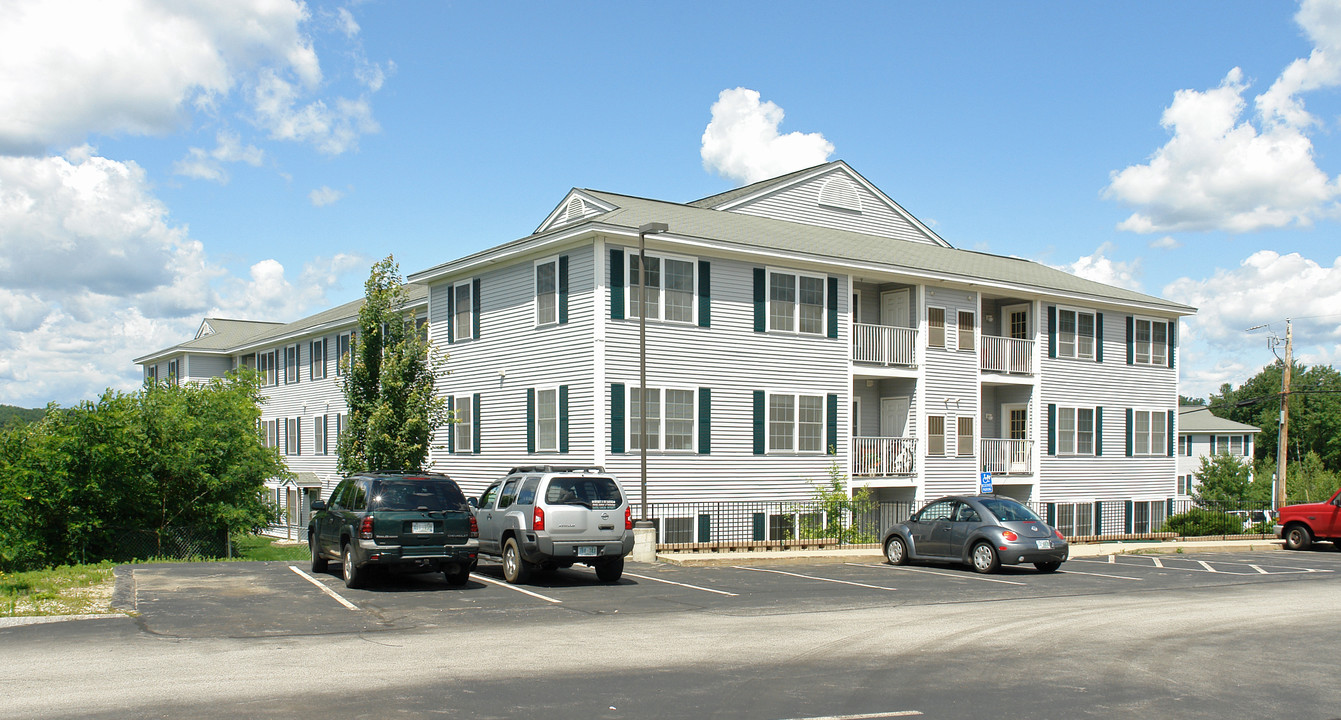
column 783, row 524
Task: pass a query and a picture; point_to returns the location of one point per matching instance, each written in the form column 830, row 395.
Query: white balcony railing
column 1007, row 457
column 1007, row 355
column 883, row 456
column 884, row 344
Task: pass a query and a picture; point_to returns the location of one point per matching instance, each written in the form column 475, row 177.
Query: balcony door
column 1015, row 325
column 895, row 308
column 1016, row 417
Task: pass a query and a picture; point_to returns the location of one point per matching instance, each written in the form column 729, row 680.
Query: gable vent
column 576, row 209
column 840, row 193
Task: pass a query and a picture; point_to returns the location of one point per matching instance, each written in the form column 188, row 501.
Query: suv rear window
column 593, row 492
column 417, row 494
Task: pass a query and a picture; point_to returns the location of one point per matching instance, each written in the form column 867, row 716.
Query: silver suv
column 543, row 518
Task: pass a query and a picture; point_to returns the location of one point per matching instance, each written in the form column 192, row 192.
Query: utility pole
column 1283, row 440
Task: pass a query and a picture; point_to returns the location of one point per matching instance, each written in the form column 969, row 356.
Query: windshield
column 417, row 494
column 592, row 492
column 1008, row 510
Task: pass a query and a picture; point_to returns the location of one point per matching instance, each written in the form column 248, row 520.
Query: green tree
column 1224, row 482
column 1315, row 411
column 390, row 383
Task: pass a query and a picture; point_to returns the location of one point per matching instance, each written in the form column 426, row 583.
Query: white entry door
column 894, row 416
column 894, row 308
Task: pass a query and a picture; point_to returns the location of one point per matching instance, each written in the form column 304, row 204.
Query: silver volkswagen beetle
column 985, row 531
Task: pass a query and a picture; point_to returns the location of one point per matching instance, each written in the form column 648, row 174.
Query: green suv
column 417, row 522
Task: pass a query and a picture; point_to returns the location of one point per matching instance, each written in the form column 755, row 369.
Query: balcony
column 884, row 345
column 1006, row 355
column 884, row 456
column 1007, row 457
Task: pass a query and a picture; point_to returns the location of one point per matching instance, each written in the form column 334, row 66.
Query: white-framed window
column 964, row 440
column 1074, row 518
column 151, row 374
column 1148, row 516
column 316, row 355
column 291, row 431
column 173, row 377
column 936, row 435
column 795, row 423
column 1185, row 445
column 319, row 446
column 265, row 365
column 344, row 345
column 340, row 424
column 671, row 283
column 966, row 326
column 1075, row 431
column 1152, row 341
column 935, row 327
column 464, row 427
column 1185, row 484
column 547, row 291
column 671, row 418
column 270, row 433
column 463, row 312
column 1229, row 444
column 290, row 364
column 1148, row 432
column 1075, row 333
column 796, row 302
column 547, row 420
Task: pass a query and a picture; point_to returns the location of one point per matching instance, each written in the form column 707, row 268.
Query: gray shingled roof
column 720, row 199
column 229, row 333
column 822, row 243
column 1197, row 419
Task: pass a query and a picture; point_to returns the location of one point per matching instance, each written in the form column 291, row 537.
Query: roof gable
column 577, row 205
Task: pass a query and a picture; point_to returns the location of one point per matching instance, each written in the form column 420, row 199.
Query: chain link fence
column 174, row 543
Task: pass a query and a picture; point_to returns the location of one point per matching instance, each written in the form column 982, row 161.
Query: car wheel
column 610, row 570
column 1297, row 537
column 896, row 551
column 354, row 577
column 1047, row 567
column 515, row 568
column 984, row 558
column 457, row 575
column 319, row 563
column 1336, row 544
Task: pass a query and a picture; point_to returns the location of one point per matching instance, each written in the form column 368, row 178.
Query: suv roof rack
column 557, row 468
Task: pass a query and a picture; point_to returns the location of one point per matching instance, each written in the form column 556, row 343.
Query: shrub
column 1200, row 521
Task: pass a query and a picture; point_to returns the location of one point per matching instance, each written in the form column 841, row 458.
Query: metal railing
column 1007, row 457
column 883, row 456
column 884, row 344
column 1007, row 355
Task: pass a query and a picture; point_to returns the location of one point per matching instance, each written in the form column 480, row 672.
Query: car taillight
column 1010, row 536
column 365, row 530
column 628, row 518
column 538, row 519
column 474, row 527
column 1059, row 535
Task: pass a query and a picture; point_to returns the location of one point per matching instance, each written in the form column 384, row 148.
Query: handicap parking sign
column 985, row 483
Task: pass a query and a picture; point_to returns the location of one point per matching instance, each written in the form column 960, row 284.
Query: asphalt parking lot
column 263, row 599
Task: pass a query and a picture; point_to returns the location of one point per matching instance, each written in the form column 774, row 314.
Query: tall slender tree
column 389, row 383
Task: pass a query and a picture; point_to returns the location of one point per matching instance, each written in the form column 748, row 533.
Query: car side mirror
column 473, row 502
column 318, row 505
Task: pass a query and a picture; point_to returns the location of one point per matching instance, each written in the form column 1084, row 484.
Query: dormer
column 576, row 206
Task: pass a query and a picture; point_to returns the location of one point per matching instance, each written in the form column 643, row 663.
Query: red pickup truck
column 1300, row 525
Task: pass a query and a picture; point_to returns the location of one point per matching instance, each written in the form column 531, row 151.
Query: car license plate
column 586, row 551
column 1044, row 544
column 421, row 528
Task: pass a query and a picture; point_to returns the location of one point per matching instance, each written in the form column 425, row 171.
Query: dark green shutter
column 1098, row 517
column 1173, row 342
column 563, row 289
column 1098, row 431
column 475, row 308
column 1130, row 429
column 1130, row 508
column 832, row 420
column 704, row 528
column 760, row 295
column 616, row 284
column 758, row 423
column 1098, row 337
column 563, row 418
column 833, row 307
column 1052, row 429
column 1052, row 514
column 617, row 417
column 1169, row 435
column 704, row 422
column 1052, row 331
column 475, row 424
column 451, row 313
column 704, row 293
column 1131, row 342
column 757, row 522
column 451, row 431
column 530, row 420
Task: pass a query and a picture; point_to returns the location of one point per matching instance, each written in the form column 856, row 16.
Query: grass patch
column 87, row 589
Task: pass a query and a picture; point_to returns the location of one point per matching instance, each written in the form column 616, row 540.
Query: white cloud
column 208, row 164
column 323, row 196
column 332, row 130
column 742, row 141
column 1168, row 242
column 1222, row 172
column 1266, row 288
column 1099, row 267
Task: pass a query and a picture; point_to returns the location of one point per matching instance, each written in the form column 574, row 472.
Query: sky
column 163, row 161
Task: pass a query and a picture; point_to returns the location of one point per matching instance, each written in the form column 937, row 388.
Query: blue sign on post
column 985, row 483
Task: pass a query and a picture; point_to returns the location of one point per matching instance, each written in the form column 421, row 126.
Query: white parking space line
column 322, row 587
column 814, row 577
column 1158, row 563
column 687, row 585
column 1115, row 577
column 961, row 576
column 523, row 591
column 866, row 716
column 1207, row 565
column 1260, row 570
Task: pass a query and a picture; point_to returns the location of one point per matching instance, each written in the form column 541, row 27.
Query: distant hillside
column 9, row 413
